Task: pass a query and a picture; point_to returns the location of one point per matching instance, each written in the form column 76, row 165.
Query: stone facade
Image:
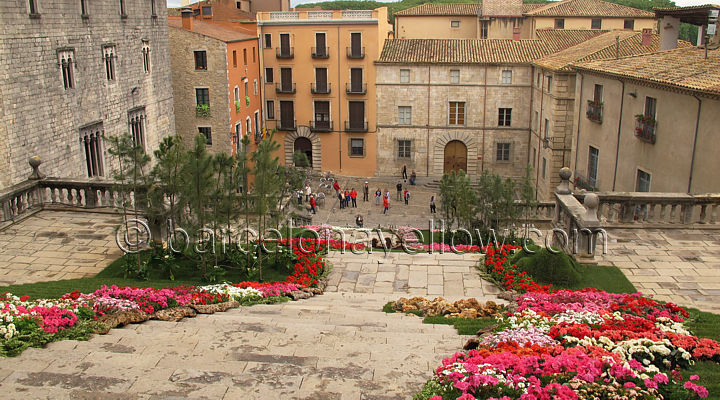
column 40, row 117
column 480, row 87
column 186, row 79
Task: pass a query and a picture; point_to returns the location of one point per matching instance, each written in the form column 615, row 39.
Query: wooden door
column 357, row 115
column 356, row 77
column 455, row 156
column 285, row 44
column 321, row 80
column 286, row 79
column 287, row 114
column 320, row 44
column 356, row 44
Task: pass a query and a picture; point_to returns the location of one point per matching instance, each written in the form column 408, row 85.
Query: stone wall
column 186, row 79
column 481, row 88
column 41, row 118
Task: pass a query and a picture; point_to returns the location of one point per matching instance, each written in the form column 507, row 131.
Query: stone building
column 319, row 86
column 76, row 72
column 554, row 120
column 455, row 104
column 216, row 82
column 503, row 19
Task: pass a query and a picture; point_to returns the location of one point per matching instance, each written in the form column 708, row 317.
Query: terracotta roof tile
column 451, row 9
column 212, row 30
column 588, row 8
column 683, row 68
column 559, row 39
column 462, row 51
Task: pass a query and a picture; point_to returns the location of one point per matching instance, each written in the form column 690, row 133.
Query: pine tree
column 267, row 184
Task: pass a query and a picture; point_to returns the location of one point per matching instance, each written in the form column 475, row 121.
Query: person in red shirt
column 353, row 197
column 336, row 186
column 406, row 196
column 347, row 198
column 312, row 203
column 386, row 204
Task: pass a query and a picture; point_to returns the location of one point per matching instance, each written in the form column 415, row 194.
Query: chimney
column 516, row 33
column 647, row 37
column 669, row 32
column 187, row 18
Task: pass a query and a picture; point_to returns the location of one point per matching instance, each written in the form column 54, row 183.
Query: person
column 312, row 204
column 387, row 194
column 308, row 191
column 353, row 197
column 359, row 221
column 336, row 186
column 366, row 192
column 406, row 196
column 386, row 203
column 299, row 197
column 341, row 197
column 399, row 191
column 432, row 205
column 404, row 171
column 378, row 195
column 347, row 198
column 413, row 177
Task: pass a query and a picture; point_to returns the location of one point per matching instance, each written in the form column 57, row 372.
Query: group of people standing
column 348, row 198
column 309, row 197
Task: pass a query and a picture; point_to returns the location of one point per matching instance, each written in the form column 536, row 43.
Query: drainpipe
column 540, row 128
column 580, row 100
column 340, row 100
column 617, row 149
column 427, row 148
column 532, row 93
column 482, row 162
column 697, row 128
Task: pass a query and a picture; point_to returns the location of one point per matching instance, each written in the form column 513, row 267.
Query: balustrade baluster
column 703, row 214
column 651, row 212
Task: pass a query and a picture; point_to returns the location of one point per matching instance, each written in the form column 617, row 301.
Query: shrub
column 547, row 267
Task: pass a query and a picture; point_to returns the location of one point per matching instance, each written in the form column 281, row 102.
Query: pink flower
column 694, row 377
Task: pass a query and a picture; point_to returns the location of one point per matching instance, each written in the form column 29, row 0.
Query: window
column 123, row 10
column 207, row 132
column 549, row 83
column 504, row 116
column 544, row 167
column 109, row 58
column 84, row 8
column 404, row 148
column 270, row 109
column 238, row 5
column 650, row 107
column 153, row 11
column 598, row 94
column 247, row 92
column 596, row 23
column 507, row 77
column 357, row 147
column 503, row 152
column 268, row 40
column 257, row 122
column 320, row 45
column 322, row 115
column 404, row 76
column 285, row 49
column 269, row 75
column 457, row 113
column 254, row 56
column 287, row 115
column 91, row 139
column 33, row 8
column 146, row 56
column 248, row 126
column 559, row 23
column 537, row 121
column 236, row 92
column 136, row 120
column 234, row 58
column 206, row 11
column 454, row 76
column 538, row 80
column 484, row 29
column 255, row 87
column 200, row 60
column 643, row 181
column 202, row 96
column 629, row 24
column 454, row 24
column 547, row 128
column 356, row 50
column 238, row 138
column 593, row 157
column 404, row 115
column 66, row 59
column 245, row 56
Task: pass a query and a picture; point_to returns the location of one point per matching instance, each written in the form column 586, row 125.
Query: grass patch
column 387, row 308
column 464, row 326
column 56, row 289
column 607, row 278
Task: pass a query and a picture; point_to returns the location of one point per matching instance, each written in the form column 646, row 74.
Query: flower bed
column 583, row 344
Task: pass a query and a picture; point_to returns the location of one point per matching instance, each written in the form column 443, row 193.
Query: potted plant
column 237, row 106
column 645, row 119
column 247, row 101
column 202, row 110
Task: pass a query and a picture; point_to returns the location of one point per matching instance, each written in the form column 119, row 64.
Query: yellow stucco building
column 319, row 85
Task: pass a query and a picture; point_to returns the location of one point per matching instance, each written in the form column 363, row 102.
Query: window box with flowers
column 595, row 111
column 645, row 126
column 202, row 110
column 247, row 101
column 237, row 106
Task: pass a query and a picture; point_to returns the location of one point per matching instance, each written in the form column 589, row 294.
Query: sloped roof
column 214, row 31
column 451, row 9
column 588, row 8
column 682, row 68
column 462, row 51
column 559, row 39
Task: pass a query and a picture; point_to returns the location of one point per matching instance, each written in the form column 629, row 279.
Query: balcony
column 286, row 125
column 320, row 52
column 321, row 126
column 356, row 53
column 645, row 126
column 285, row 52
column 356, row 126
column 356, row 88
column 320, row 89
column 595, row 111
column 285, row 88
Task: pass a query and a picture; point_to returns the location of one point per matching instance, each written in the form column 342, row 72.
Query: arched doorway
column 455, row 156
column 304, row 145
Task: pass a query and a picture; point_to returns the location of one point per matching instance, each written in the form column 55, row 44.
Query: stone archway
column 303, row 132
column 455, row 157
column 303, row 145
column 467, row 140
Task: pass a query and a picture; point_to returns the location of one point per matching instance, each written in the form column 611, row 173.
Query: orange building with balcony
column 319, row 85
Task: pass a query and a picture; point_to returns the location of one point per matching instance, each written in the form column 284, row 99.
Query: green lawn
column 607, row 278
column 464, row 326
column 705, row 325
